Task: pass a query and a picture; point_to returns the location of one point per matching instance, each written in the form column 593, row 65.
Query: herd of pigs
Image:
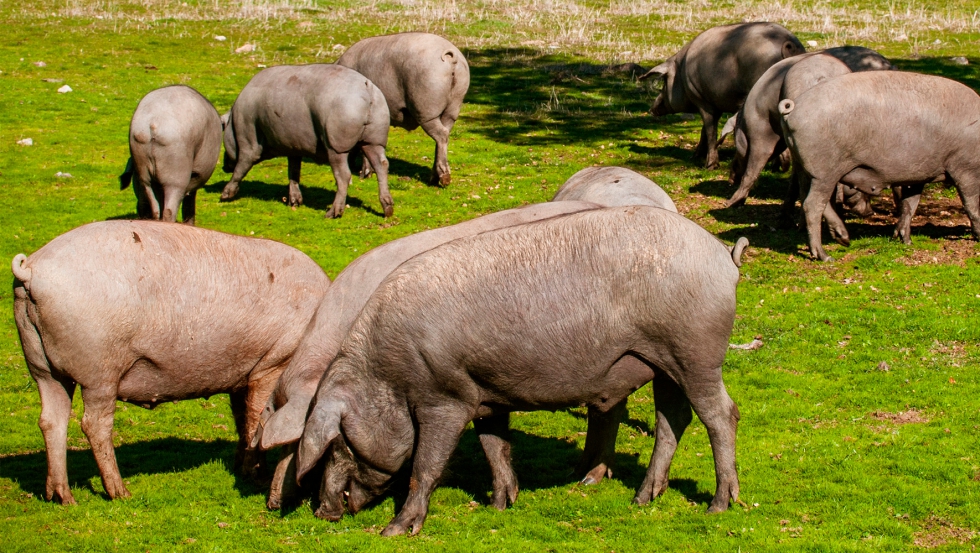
column 575, row 302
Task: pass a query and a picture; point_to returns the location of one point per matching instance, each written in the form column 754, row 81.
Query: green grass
column 823, row 463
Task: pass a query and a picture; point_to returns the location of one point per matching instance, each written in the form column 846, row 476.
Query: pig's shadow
column 546, row 463
column 315, row 197
column 158, row 456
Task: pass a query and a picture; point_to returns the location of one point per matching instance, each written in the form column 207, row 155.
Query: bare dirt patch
column 937, row 532
column 910, row 416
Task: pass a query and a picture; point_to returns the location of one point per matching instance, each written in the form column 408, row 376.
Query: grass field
column 860, row 414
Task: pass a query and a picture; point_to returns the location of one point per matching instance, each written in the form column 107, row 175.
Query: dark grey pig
column 283, row 419
column 424, row 78
column 317, row 111
column 713, row 73
column 613, row 186
column 174, row 142
column 939, row 140
column 757, row 130
column 535, row 316
column 148, row 312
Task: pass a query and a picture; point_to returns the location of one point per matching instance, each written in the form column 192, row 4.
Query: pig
column 534, row 316
column 713, row 73
column 319, row 111
column 756, row 126
column 939, row 141
column 148, row 312
column 282, row 421
column 613, row 186
column 174, row 142
column 424, row 78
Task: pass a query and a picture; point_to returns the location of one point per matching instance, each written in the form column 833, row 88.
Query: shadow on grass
column 524, row 90
column 314, row 197
column 157, row 456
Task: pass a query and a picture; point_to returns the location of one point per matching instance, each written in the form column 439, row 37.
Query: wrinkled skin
column 535, row 316
column 283, row 418
column 148, row 312
column 938, row 140
column 318, row 111
column 613, row 186
column 424, row 78
column 713, row 73
column 757, row 131
column 174, row 142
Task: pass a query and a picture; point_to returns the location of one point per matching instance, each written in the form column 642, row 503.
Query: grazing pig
column 939, row 140
column 757, row 130
column 318, row 111
column 713, row 73
column 174, row 142
column 148, row 312
column 535, row 316
column 283, row 419
column 424, row 78
column 613, row 186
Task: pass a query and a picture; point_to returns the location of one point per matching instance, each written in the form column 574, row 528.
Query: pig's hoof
column 393, row 529
column 62, row 496
column 445, row 179
column 718, row 507
column 333, row 214
column 274, row 503
column 120, row 494
column 735, row 201
column 389, row 210
column 326, row 513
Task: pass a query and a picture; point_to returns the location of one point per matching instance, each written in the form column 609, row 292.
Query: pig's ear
column 224, row 120
column 284, row 426
column 659, row 70
column 322, row 428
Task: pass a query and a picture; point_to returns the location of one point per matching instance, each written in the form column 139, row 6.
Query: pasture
column 860, row 413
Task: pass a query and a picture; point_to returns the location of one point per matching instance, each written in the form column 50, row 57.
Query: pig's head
column 231, row 146
column 673, row 97
column 364, row 432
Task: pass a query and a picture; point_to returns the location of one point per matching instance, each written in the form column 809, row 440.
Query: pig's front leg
column 439, row 429
column 493, row 432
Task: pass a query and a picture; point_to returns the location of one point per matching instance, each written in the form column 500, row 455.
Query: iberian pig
column 535, row 316
column 424, row 78
column 939, row 140
column 148, row 312
column 318, row 111
column 757, row 130
column 612, row 187
column 714, row 72
column 282, row 420
column 174, row 142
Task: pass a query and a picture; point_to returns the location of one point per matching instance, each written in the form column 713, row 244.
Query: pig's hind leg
column 100, row 408
column 968, row 185
column 673, row 417
column 55, row 412
column 438, row 129
column 720, row 416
